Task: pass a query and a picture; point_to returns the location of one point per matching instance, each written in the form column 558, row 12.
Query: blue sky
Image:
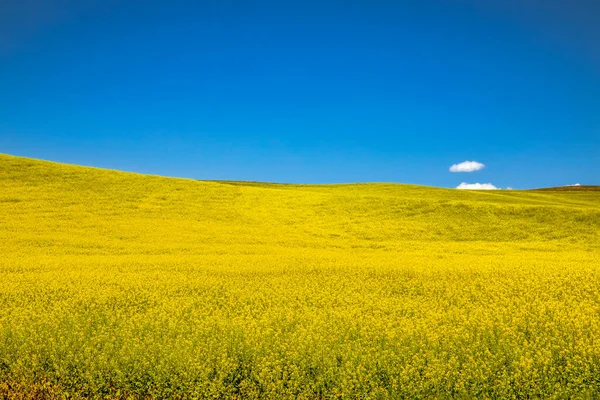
column 307, row 91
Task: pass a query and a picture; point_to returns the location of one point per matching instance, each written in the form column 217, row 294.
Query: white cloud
column 577, row 184
column 467, row 166
column 477, row 186
column 509, row 188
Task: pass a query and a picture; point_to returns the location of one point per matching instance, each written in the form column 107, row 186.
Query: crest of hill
column 571, row 188
column 73, row 209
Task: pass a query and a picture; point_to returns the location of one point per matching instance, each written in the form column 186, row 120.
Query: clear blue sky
column 307, row 91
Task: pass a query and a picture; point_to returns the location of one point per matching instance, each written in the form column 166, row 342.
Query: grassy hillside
column 116, row 284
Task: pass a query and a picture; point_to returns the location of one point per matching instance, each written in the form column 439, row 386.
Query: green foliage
column 119, row 285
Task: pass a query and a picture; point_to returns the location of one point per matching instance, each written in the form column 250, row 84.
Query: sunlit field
column 117, row 285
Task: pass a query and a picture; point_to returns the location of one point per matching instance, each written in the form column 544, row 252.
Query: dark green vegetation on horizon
column 572, row 188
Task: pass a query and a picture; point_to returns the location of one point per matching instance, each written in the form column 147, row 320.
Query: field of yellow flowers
column 118, row 285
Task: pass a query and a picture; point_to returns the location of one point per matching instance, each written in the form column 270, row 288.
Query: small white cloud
column 509, row 188
column 577, row 184
column 467, row 166
column 477, row 186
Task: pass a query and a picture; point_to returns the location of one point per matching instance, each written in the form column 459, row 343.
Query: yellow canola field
column 119, row 285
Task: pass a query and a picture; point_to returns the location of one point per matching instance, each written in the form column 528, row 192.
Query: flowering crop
column 117, row 285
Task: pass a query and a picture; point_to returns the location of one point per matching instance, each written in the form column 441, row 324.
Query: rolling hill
column 118, row 284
